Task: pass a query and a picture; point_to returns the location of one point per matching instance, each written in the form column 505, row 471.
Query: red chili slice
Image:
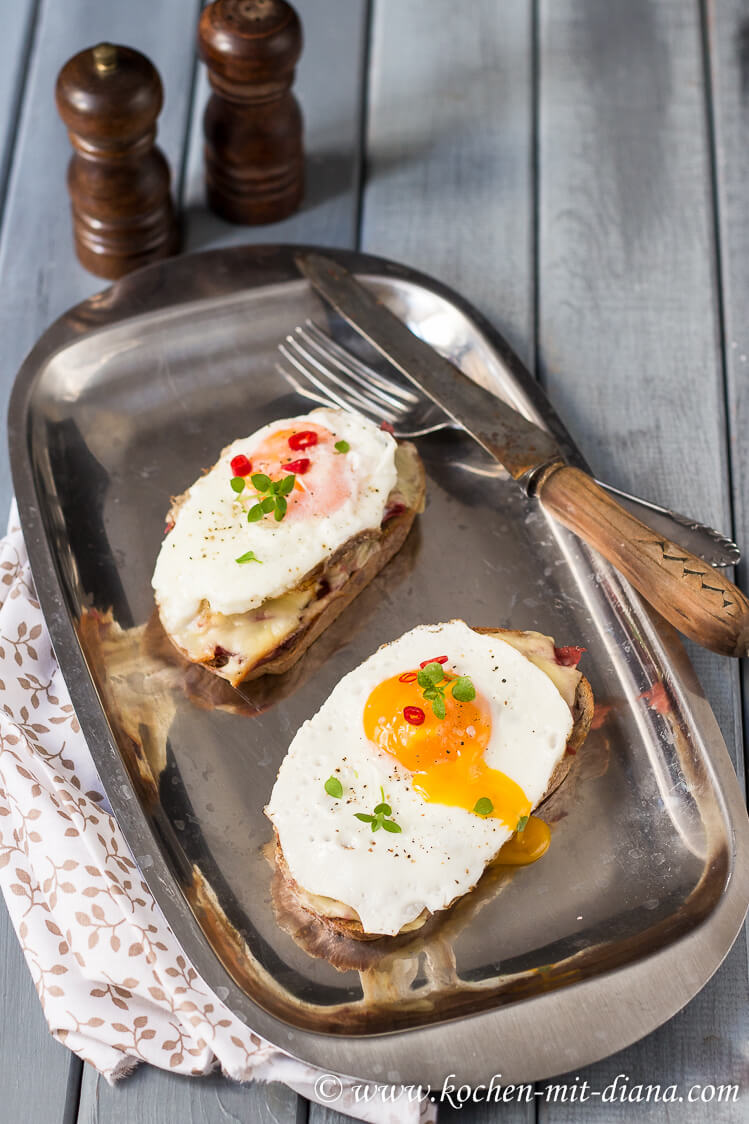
column 434, row 659
column 387, row 427
column 569, row 656
column 240, row 465
column 407, row 677
column 414, row 714
column 304, row 440
column 298, row 467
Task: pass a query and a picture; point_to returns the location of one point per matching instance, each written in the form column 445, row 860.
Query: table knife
column 695, row 598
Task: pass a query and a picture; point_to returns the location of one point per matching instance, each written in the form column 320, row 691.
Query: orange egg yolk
column 527, row 846
column 445, row 755
column 323, row 480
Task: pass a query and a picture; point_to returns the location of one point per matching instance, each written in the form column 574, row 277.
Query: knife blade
column 696, row 599
column 520, row 445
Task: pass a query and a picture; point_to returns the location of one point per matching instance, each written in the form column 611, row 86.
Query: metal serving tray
column 119, row 406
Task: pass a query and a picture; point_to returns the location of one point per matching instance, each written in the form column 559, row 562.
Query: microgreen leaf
column 483, row 806
column 438, row 706
column 434, row 672
column 378, row 819
column 248, row 556
column 342, row 446
column 463, row 689
column 271, row 496
column 423, row 679
column 334, row 788
column 237, row 484
column 521, row 823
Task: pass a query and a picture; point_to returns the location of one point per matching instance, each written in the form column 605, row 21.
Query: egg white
column 197, row 559
column 389, row 879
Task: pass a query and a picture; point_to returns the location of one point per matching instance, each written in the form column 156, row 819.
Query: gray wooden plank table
column 580, row 171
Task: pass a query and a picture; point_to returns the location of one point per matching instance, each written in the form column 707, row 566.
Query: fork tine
column 305, row 388
column 338, row 395
column 309, row 365
column 354, row 367
column 327, row 397
column 330, row 360
column 311, row 361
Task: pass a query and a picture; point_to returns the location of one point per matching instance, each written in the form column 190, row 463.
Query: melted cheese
column 539, row 649
column 247, row 635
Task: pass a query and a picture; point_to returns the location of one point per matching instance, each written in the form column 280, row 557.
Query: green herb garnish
column 483, row 806
column 433, row 682
column 378, row 818
column 342, row 446
column 248, row 556
column 334, row 788
column 521, row 823
column 463, row 689
column 271, row 496
column 237, row 484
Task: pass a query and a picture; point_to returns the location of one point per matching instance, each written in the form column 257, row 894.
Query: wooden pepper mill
column 109, row 98
column 254, row 160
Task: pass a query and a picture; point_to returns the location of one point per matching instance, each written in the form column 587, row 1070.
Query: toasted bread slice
column 338, row 918
column 271, row 638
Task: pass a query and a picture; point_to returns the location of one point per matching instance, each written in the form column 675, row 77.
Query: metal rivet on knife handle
column 700, row 602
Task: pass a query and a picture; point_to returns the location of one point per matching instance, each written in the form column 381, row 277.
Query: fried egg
column 393, row 798
column 343, row 467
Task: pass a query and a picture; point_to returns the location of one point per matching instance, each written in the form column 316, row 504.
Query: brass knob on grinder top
column 109, row 97
column 254, row 158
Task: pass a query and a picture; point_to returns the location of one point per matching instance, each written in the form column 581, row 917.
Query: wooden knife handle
column 689, row 593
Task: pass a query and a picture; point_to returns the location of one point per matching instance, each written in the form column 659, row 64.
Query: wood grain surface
column 328, row 215
column 629, row 350
column 449, row 185
column 19, row 20
column 579, row 171
column 39, row 279
column 727, row 49
column 449, row 189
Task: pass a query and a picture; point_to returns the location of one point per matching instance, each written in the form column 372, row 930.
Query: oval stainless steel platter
column 119, row 406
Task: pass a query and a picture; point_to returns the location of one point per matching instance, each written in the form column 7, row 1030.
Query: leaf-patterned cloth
column 113, row 982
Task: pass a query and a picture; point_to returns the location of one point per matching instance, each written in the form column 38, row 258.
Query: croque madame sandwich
column 422, row 763
column 265, row 550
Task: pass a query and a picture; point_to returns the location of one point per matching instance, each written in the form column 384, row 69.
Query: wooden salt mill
column 109, row 98
column 254, row 160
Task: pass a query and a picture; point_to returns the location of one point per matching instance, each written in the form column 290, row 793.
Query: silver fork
column 321, row 370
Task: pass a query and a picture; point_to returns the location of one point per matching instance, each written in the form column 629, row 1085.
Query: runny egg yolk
column 445, row 755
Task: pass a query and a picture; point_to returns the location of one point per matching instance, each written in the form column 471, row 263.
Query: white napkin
column 113, row 982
